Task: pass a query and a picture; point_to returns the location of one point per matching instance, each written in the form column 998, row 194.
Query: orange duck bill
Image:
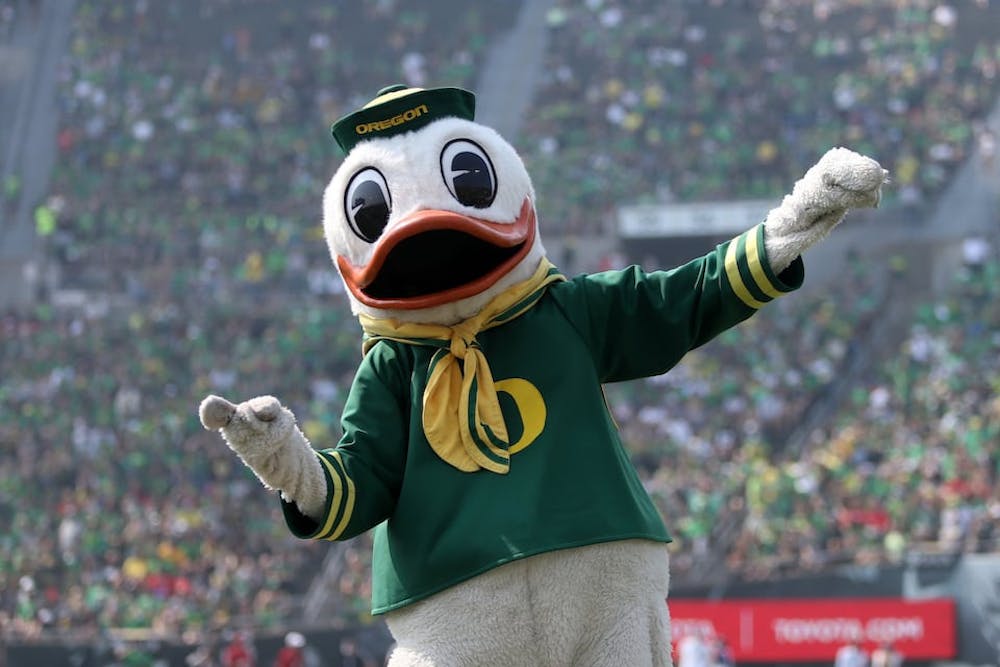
column 435, row 257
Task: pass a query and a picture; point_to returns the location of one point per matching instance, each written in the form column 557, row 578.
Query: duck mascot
column 510, row 527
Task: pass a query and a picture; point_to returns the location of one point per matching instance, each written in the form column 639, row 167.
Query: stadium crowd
column 198, row 132
column 709, row 100
column 186, row 128
column 188, row 191
column 118, row 510
column 911, row 460
column 716, row 419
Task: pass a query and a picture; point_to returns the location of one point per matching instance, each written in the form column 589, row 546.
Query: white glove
column 840, row 181
column 264, row 435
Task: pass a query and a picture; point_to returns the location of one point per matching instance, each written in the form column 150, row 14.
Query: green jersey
column 570, row 481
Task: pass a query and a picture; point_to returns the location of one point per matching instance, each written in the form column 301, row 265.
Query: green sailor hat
column 397, row 109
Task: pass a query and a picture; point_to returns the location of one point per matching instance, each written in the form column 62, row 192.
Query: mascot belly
column 509, row 526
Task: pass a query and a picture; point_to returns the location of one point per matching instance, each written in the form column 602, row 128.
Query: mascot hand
column 840, row 181
column 264, row 435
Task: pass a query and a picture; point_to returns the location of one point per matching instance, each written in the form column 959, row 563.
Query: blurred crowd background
column 193, row 149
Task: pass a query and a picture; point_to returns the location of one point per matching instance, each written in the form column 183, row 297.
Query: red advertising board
column 807, row 630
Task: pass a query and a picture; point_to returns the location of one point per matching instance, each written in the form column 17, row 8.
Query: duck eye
column 468, row 173
column 367, row 204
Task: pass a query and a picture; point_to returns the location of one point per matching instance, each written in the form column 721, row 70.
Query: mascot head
column 431, row 214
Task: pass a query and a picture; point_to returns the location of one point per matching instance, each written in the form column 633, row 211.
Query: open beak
column 433, row 257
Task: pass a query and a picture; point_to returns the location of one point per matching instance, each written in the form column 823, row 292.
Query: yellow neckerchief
column 461, row 411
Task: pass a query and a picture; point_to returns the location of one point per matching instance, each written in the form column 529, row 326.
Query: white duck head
column 431, row 214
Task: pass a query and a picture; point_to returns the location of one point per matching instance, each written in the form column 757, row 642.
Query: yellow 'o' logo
column 531, row 407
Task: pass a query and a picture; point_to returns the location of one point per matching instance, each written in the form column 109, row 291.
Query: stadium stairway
column 511, row 71
column 29, row 117
column 321, row 599
column 505, row 91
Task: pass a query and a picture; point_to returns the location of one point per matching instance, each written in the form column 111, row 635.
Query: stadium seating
column 725, row 100
column 909, row 463
column 190, row 177
column 188, row 190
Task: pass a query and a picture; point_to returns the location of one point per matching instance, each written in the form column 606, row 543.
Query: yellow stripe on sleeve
column 337, row 494
column 349, row 506
column 756, row 268
column 736, row 280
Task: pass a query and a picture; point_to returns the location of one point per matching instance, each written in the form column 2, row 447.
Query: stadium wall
column 971, row 582
column 28, row 149
column 965, row 589
column 322, row 647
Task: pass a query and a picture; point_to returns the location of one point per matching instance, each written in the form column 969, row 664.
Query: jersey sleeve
column 638, row 324
column 364, row 471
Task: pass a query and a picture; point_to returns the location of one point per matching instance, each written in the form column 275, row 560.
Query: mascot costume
column 510, row 526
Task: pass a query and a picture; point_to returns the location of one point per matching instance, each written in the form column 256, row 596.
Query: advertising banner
column 813, row 630
column 726, row 218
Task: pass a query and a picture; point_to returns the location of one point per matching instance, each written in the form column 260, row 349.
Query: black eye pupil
column 369, row 209
column 472, row 181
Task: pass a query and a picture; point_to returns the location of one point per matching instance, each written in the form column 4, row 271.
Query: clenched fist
column 263, row 434
column 840, row 181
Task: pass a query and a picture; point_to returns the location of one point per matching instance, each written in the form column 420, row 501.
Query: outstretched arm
column 333, row 493
column 659, row 316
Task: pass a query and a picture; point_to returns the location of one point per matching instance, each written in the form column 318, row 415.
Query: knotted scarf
column 461, row 411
